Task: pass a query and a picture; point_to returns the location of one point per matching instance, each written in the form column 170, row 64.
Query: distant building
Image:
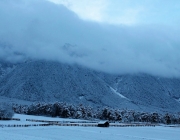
column 103, row 124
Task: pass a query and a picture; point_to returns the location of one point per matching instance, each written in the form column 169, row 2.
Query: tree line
column 64, row 110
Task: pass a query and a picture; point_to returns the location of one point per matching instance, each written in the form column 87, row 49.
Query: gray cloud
column 43, row 30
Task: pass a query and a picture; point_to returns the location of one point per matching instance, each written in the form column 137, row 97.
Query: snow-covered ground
column 24, row 117
column 86, row 133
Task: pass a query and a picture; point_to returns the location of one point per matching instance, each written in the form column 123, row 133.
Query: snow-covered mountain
column 5, row 68
column 51, row 81
column 146, row 90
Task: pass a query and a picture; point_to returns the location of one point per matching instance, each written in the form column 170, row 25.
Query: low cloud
column 43, row 30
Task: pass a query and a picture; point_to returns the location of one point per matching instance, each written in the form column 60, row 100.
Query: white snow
column 119, row 94
column 90, row 133
column 178, row 100
column 81, row 97
column 24, row 117
column 86, row 133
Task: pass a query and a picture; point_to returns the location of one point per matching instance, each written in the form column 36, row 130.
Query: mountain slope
column 5, row 68
column 53, row 81
column 146, row 90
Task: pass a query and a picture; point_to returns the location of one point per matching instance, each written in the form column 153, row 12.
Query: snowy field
column 84, row 133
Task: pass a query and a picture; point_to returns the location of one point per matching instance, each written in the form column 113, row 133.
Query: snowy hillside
column 53, row 81
column 146, row 90
column 5, row 68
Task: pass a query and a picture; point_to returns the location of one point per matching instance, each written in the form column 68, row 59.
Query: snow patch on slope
column 178, row 100
column 119, row 94
column 81, row 97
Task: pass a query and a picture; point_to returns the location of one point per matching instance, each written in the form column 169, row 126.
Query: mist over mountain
column 40, row 29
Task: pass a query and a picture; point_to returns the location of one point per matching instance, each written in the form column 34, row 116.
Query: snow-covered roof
column 103, row 122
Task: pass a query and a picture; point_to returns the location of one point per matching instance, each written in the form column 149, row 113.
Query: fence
column 8, row 119
column 23, row 125
column 73, row 124
column 70, row 123
column 56, row 122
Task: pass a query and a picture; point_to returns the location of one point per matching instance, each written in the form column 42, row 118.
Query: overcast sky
column 126, row 11
column 116, row 36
